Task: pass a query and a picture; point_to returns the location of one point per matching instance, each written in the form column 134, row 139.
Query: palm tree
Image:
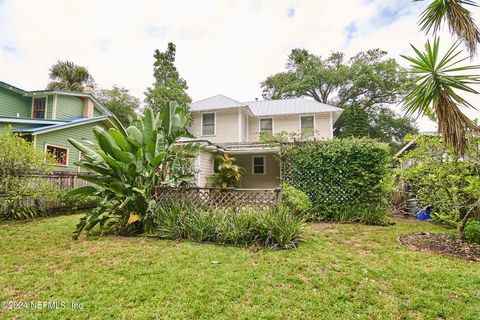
column 458, row 18
column 66, row 75
column 435, row 94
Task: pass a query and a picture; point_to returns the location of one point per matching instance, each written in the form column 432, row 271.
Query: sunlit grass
column 341, row 271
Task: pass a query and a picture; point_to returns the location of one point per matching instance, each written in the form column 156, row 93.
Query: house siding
column 226, row 126
column 69, row 107
column 204, row 168
column 60, row 138
column 291, row 124
column 49, row 107
column 12, row 103
column 271, row 178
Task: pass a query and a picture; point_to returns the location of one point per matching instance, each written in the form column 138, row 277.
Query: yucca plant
column 128, row 166
column 439, row 79
column 458, row 18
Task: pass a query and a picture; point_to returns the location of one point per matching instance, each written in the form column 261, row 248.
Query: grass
column 343, row 271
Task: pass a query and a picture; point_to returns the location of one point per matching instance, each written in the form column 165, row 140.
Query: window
column 39, row 105
column 258, row 164
column 266, row 126
column 208, row 124
column 307, row 126
column 60, row 155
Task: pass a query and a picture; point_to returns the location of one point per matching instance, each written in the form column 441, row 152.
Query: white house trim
column 314, row 123
column 240, row 124
column 60, row 147
column 264, row 165
column 331, row 125
column 34, row 141
column 54, row 107
column 214, row 124
column 71, row 124
column 260, row 124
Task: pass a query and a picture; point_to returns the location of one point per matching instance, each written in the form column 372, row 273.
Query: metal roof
column 38, row 130
column 267, row 107
column 216, row 102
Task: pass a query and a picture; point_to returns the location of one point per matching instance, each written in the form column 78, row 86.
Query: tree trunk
column 461, row 231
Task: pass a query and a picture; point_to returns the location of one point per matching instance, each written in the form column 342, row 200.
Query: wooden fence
column 220, row 198
column 61, row 180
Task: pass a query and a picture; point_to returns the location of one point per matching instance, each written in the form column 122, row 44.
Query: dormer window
column 208, row 124
column 39, row 107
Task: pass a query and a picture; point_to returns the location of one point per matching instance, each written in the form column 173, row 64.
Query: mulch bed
column 442, row 244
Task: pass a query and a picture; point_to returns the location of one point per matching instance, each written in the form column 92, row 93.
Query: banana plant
column 128, row 165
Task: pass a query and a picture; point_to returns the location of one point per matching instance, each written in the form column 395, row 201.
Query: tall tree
column 120, row 102
column 459, row 20
column 363, row 85
column 66, row 75
column 168, row 85
column 436, row 94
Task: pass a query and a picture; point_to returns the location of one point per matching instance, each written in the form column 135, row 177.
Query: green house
column 48, row 118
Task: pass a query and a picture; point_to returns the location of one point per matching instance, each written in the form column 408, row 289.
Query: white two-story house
column 235, row 127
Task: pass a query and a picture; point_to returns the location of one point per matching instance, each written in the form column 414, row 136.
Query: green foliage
column 21, row 167
column 129, row 166
column 274, row 228
column 459, row 20
column 229, row 174
column 66, row 75
column 367, row 214
column 363, row 86
column 168, row 85
column 472, row 231
column 120, row 102
column 295, row 200
column 443, row 180
column 436, row 92
column 340, row 176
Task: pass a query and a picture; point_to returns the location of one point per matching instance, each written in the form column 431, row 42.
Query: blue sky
column 223, row 46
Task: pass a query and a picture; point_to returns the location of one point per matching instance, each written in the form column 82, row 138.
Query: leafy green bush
column 443, row 180
column 21, row 170
column 295, row 199
column 229, row 174
column 275, row 228
column 342, row 177
column 472, row 231
column 129, row 165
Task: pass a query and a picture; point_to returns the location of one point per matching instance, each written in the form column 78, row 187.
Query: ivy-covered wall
column 341, row 176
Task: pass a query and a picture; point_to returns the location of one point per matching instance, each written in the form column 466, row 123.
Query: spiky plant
column 66, row 75
column 459, row 20
column 436, row 95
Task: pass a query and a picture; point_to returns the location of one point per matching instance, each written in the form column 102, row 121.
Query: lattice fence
column 220, row 198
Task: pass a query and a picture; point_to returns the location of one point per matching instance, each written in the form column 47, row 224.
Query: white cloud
column 224, row 47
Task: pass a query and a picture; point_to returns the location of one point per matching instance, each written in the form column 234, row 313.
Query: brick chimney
column 88, row 104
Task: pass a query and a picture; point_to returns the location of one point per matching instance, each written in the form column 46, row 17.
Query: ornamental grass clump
column 276, row 227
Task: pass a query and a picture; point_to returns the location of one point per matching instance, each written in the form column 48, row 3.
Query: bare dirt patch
column 442, row 244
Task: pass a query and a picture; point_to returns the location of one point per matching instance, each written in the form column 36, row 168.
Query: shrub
column 229, row 174
column 342, row 177
column 472, row 231
column 276, row 227
column 130, row 164
column 21, row 167
column 295, row 199
column 443, row 180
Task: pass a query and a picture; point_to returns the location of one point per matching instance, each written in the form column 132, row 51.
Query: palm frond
column 459, row 19
column 436, row 94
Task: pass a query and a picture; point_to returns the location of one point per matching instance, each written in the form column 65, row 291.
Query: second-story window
column 208, row 124
column 39, row 105
column 307, row 124
column 266, row 126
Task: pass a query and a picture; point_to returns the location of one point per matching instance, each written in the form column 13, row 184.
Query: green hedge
column 345, row 179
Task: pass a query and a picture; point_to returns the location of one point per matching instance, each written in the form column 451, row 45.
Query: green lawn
column 341, row 271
